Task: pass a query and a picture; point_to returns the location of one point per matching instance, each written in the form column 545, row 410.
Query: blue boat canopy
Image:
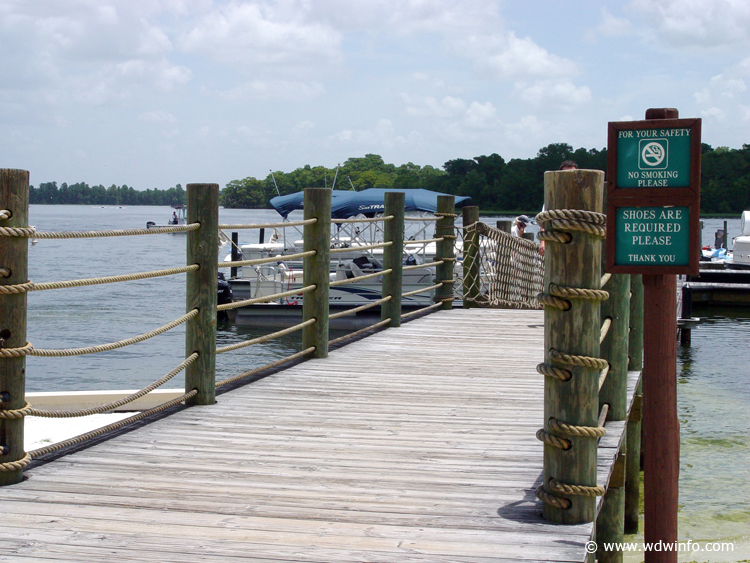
column 368, row 202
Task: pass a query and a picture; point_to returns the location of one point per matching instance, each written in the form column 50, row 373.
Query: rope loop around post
column 590, row 222
column 15, row 465
column 580, row 361
column 578, row 292
column 17, row 352
column 554, row 371
column 579, row 431
column 559, row 502
column 17, row 288
column 552, row 440
column 15, row 414
column 576, row 490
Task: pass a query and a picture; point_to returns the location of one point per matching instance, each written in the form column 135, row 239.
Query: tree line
column 492, row 183
column 82, row 193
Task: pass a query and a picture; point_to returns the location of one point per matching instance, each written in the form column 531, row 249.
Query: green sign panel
column 653, row 158
column 652, row 236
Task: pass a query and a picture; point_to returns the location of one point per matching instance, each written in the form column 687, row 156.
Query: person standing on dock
column 519, row 226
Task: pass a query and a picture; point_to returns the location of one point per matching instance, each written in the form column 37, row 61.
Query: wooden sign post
column 653, row 212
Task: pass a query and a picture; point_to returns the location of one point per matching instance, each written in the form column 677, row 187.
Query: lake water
column 713, row 386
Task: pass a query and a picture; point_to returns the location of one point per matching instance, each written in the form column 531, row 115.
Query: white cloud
column 724, row 99
column 382, row 136
column 697, row 23
column 158, row 116
column 86, row 52
column 511, row 57
column 247, row 36
column 558, row 93
column 612, row 26
column 275, row 90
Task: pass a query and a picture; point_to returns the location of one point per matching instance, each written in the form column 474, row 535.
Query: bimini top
column 368, row 202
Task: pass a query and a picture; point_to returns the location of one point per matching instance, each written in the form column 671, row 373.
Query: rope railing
column 605, row 329
column 362, row 220
column 265, row 338
column 425, row 265
column 29, row 349
column 265, row 298
column 33, row 286
column 268, row 225
column 359, row 309
column 30, row 232
column 269, row 260
column 255, row 371
column 509, row 271
column 421, row 219
column 204, row 229
column 363, row 277
column 425, row 241
column 119, row 403
column 363, row 247
column 110, row 427
column 424, row 309
column 359, row 332
column 422, row 290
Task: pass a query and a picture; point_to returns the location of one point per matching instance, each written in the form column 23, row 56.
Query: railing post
column 444, row 227
column 471, row 257
column 14, row 253
column 635, row 363
column 317, row 269
column 393, row 231
column 202, row 249
column 571, row 337
column 610, row 524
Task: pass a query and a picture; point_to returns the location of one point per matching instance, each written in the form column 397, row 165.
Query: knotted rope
column 574, row 220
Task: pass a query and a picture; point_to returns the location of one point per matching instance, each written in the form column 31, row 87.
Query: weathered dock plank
column 416, row 444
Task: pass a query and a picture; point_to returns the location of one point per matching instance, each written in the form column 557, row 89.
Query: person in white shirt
column 519, row 226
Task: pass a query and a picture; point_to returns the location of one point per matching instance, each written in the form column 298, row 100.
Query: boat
column 179, row 217
column 740, row 259
column 286, row 275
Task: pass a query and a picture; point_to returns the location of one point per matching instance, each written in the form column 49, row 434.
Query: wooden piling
column 575, row 332
column 317, row 237
column 661, row 426
column 393, row 232
column 504, row 225
column 202, row 249
column 444, row 228
column 610, row 524
column 14, row 251
column 470, row 216
column 635, row 363
column 235, row 253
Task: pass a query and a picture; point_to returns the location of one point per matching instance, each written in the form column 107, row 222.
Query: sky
column 154, row 93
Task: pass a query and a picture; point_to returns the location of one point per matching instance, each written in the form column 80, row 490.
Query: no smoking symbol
column 653, row 154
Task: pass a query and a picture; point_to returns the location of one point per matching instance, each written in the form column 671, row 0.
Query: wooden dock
column 414, row 444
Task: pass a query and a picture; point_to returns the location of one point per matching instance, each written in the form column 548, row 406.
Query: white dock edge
column 73, row 400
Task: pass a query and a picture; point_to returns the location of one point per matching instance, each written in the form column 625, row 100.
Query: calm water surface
column 714, row 374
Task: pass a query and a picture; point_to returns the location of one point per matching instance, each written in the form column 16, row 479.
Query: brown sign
column 653, row 196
